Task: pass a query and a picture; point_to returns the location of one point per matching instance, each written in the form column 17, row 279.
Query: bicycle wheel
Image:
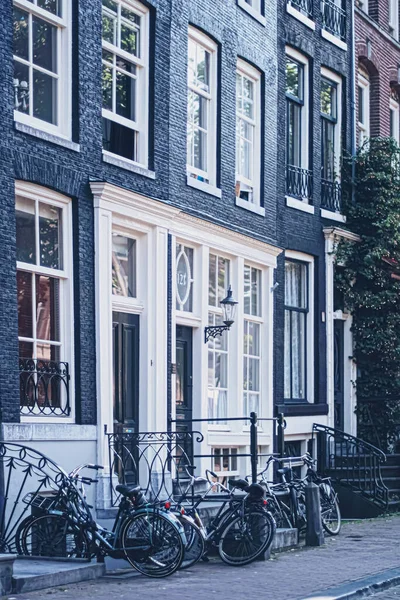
column 247, row 537
column 152, row 544
column 330, row 511
column 51, row 536
column 194, row 548
column 280, row 512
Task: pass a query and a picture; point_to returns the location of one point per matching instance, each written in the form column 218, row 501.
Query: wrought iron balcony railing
column 333, row 19
column 44, row 387
column 303, row 6
column 298, row 183
column 331, row 195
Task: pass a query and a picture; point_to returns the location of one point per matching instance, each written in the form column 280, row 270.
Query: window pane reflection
column 123, row 266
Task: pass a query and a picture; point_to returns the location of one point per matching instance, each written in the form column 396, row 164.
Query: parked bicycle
column 242, row 530
column 151, row 539
column 286, row 499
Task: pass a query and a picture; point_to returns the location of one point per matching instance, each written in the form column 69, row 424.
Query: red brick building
column 377, row 64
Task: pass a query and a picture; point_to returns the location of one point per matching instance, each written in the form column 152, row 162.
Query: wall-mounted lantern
column 228, row 306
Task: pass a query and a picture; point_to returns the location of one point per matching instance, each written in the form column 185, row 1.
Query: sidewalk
column 362, row 549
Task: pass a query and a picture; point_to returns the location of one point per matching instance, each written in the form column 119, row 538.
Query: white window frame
column 216, row 311
column 65, row 276
column 364, row 125
column 244, row 69
column 181, row 310
column 259, row 320
column 141, row 125
column 394, row 108
column 210, row 175
column 63, row 128
column 310, row 350
column 331, row 76
column 232, row 472
column 394, row 18
column 363, row 5
column 305, row 113
column 254, row 9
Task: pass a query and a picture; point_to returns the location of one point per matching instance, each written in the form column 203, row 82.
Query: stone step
column 32, row 574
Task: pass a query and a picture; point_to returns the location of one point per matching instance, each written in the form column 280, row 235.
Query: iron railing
column 160, row 461
column 333, row 19
column 331, row 195
column 44, row 387
column 298, row 183
column 374, row 425
column 304, row 6
column 351, row 462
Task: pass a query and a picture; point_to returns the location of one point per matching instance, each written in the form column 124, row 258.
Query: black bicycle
column 151, row 539
column 242, row 529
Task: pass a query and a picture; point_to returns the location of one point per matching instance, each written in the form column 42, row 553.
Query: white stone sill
column 125, row 163
column 333, row 216
column 253, row 13
column 299, row 205
column 333, row 39
column 291, row 10
column 204, row 187
column 258, row 210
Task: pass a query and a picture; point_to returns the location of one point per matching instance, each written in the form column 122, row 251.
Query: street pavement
column 362, row 549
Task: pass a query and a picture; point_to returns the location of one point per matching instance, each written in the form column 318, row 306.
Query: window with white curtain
column 296, row 325
column 218, row 346
column 252, row 339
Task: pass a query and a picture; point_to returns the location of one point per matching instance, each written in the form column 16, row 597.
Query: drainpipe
column 353, row 100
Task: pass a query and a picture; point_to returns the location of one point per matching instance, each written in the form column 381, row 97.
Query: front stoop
column 36, row 574
column 6, row 573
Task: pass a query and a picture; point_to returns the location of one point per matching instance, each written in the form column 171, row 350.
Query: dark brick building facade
column 75, row 167
column 377, row 55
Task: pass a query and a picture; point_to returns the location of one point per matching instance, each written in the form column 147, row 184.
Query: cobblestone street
column 362, row 549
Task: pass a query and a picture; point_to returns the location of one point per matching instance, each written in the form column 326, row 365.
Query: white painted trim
column 198, row 37
column 333, row 216
column 44, row 135
column 259, row 210
column 45, row 431
column 394, row 108
column 364, row 125
column 125, row 163
column 66, row 277
column 63, row 128
column 204, row 187
column 333, row 39
column 244, row 69
column 306, row 258
column 299, row 205
column 394, row 18
column 149, row 212
column 292, row 10
column 256, row 14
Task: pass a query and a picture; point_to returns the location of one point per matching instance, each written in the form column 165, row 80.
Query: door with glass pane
column 184, row 385
column 126, row 371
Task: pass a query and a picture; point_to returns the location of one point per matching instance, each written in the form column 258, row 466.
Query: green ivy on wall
column 369, row 287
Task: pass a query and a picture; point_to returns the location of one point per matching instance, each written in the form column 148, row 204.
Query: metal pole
column 281, row 434
column 253, row 446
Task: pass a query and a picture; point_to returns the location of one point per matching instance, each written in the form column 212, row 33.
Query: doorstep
column 32, row 574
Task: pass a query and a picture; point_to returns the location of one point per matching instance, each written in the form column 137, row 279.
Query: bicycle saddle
column 284, row 470
column 240, row 484
column 127, row 491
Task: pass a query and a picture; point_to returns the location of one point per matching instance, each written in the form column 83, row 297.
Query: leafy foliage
column 371, row 293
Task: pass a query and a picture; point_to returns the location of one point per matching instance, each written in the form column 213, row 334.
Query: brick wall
column 379, row 54
column 300, row 231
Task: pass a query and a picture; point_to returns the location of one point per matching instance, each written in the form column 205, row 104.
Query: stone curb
column 359, row 588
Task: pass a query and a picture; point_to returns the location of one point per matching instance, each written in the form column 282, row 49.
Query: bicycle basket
column 44, row 500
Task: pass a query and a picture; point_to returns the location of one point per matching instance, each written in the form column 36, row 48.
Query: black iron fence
column 331, row 195
column 160, row 462
column 44, row 387
column 351, row 462
column 378, row 422
column 333, row 19
column 304, row 6
column 298, row 183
